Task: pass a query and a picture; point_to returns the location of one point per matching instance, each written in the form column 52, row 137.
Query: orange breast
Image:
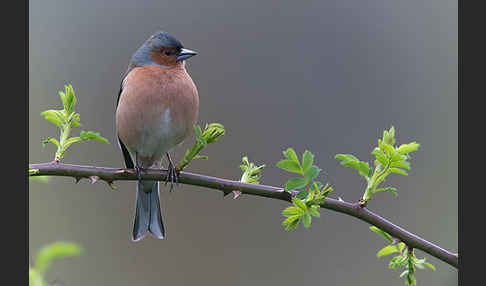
column 156, row 105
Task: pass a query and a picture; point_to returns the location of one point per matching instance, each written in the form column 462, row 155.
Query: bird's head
column 161, row 49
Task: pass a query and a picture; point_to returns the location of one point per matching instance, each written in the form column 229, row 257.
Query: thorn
column 339, row 198
column 236, row 194
column 94, row 179
column 77, row 179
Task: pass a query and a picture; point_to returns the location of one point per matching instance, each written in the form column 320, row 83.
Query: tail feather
column 148, row 216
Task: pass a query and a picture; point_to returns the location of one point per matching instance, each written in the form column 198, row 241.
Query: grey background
column 327, row 76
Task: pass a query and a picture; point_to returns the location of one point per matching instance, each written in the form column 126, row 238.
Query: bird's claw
column 172, row 176
column 138, row 172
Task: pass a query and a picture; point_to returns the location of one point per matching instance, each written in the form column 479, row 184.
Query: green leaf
column 56, row 117
column 54, row 251
column 90, row 135
column 74, row 119
column 302, row 194
column 295, row 183
column 384, row 234
column 326, row 193
column 389, row 136
column 317, row 185
column 404, row 273
column 401, row 246
column 68, row 99
column 212, row 132
column 387, row 250
column 419, row 265
column 401, row 164
column 402, row 260
column 291, row 219
column 429, row 265
column 250, row 171
column 362, row 167
column 306, row 220
column 291, row 211
column 346, row 157
column 291, row 155
column 71, row 141
column 381, row 179
column 314, row 211
column 290, row 166
column 300, row 204
column 380, row 156
column 380, row 145
column 396, row 157
column 394, row 262
column 254, row 170
column 312, row 173
column 201, row 157
column 388, row 189
column 307, row 161
column 310, row 196
column 398, row 260
column 398, row 171
column 293, row 224
column 389, row 150
column 407, row 148
column 50, row 140
column 197, row 131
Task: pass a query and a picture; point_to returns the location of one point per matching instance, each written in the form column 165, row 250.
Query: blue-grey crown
column 158, row 40
column 164, row 39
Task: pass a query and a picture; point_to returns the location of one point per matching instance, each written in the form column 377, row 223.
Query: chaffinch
column 157, row 108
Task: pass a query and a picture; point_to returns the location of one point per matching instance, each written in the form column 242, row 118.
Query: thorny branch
column 110, row 175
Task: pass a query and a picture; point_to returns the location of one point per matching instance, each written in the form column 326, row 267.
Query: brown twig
column 227, row 186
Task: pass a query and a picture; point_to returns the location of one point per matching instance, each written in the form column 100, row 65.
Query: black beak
column 185, row 54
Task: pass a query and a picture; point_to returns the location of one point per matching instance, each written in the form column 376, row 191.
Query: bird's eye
column 168, row 52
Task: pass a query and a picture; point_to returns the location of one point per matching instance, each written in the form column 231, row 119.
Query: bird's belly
column 160, row 136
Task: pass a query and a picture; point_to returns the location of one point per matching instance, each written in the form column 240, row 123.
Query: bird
column 157, row 108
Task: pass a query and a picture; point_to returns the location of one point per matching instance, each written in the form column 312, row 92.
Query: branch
column 353, row 209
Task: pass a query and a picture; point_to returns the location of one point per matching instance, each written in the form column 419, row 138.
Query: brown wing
column 126, row 155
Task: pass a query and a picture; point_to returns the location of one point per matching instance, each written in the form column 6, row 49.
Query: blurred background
column 327, row 76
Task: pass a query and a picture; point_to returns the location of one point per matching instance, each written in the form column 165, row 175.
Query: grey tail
column 148, row 216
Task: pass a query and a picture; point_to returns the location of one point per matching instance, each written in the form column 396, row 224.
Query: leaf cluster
column 405, row 259
column 311, row 193
column 307, row 170
column 66, row 119
column 46, row 255
column 251, row 172
column 303, row 209
column 388, row 159
column 211, row 134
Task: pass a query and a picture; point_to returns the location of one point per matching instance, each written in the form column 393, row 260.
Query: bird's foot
column 172, row 174
column 138, row 172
